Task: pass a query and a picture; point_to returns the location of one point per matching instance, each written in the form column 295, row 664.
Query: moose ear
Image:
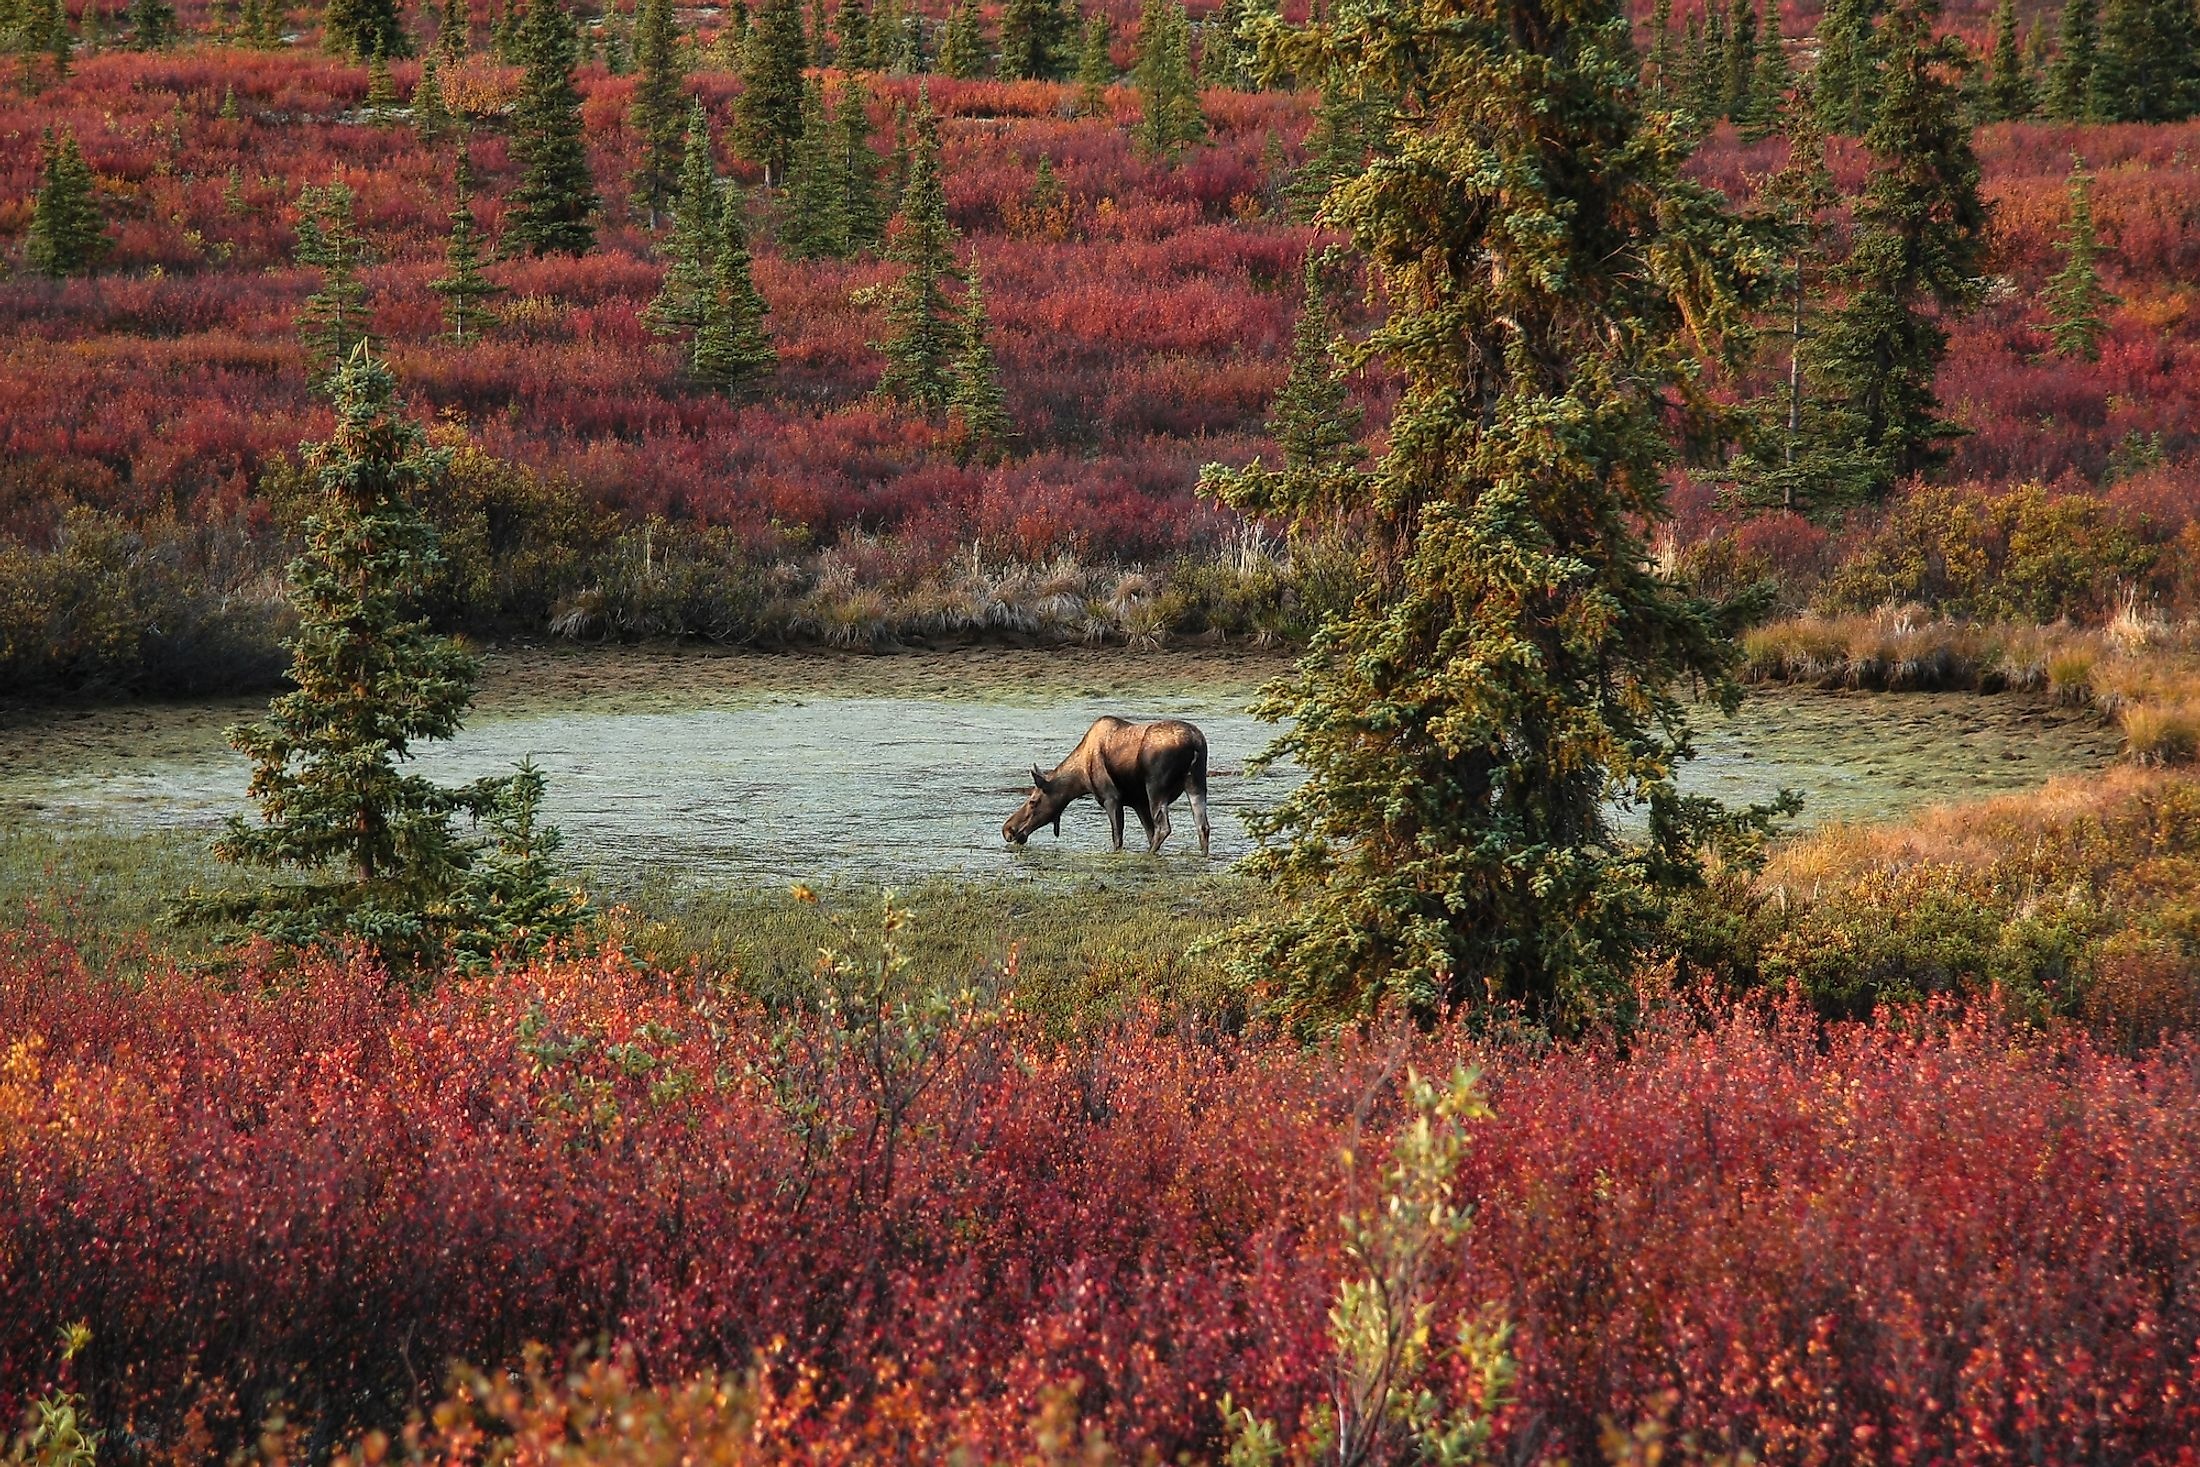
column 1038, row 780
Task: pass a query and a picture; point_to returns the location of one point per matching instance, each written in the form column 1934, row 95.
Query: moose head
column 1043, row 806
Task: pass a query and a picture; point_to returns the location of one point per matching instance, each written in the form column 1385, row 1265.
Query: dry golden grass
column 2138, row 671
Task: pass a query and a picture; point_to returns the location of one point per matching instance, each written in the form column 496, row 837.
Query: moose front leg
column 1115, row 822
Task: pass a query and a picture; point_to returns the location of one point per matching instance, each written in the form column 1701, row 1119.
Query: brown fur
column 1143, row 767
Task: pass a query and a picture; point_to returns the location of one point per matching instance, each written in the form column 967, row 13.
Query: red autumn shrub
column 1927, row 1241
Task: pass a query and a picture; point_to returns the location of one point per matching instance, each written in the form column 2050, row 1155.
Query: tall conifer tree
column 554, row 208
column 1848, row 65
column 1095, row 64
column 732, row 351
column 1170, row 116
column 1509, row 678
column 2075, row 296
column 815, row 225
column 1037, row 37
column 768, row 113
column 861, row 206
column 359, row 29
column 379, row 860
column 1920, row 246
column 67, row 235
column 465, row 290
column 657, row 115
column 921, row 330
column 1739, row 61
column 1313, row 419
column 964, row 53
column 1774, row 80
column 1659, row 78
column 2070, row 80
column 852, row 33
column 691, row 249
column 2007, row 95
column 2148, row 69
column 977, row 409
column 332, row 322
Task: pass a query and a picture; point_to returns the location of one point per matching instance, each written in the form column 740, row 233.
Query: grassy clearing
column 2140, row 673
column 1075, row 950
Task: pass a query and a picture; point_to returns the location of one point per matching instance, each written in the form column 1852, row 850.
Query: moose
column 1139, row 766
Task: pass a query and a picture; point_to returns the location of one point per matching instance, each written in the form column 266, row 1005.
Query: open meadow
column 569, row 892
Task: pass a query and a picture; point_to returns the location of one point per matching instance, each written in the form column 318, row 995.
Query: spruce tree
column 1848, row 66
column 1919, row 249
column 691, row 248
column 820, row 38
column 152, row 25
column 1774, row 80
column 1738, row 61
column 2070, row 79
column 553, row 210
column 732, row 352
column 1313, row 419
column 862, row 208
column 430, row 116
column 815, row 225
column 977, row 409
column 2148, row 68
column 58, row 44
column 357, row 29
column 1224, row 61
column 852, row 33
column 465, row 290
column 1095, row 64
column 66, row 235
column 1800, row 455
column 1170, row 116
column 657, row 115
column 379, row 860
column 1658, row 80
column 1348, row 127
column 332, row 322
column 453, row 32
column 921, row 329
column 963, row 49
column 1510, row 677
column 1036, row 39
column 1702, row 91
column 2007, row 95
column 381, row 98
column 768, row 113
column 513, row 902
column 2075, row 296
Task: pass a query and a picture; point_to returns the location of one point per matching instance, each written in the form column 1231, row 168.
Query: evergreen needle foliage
column 921, row 327
column 361, row 29
column 1920, row 247
column 690, row 251
column 2070, row 79
column 1095, row 64
column 657, row 115
column 67, row 235
column 1507, row 685
column 2075, row 296
column 1848, row 64
column 1170, row 117
column 1313, row 421
column 380, row 861
column 768, row 113
column 332, row 323
column 732, row 352
column 963, row 49
column 553, row 210
column 977, row 410
column 465, row 290
column 816, row 221
column 861, row 204
column 2008, row 94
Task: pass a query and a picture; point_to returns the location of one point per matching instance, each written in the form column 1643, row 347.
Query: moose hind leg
column 1199, row 817
column 1115, row 824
